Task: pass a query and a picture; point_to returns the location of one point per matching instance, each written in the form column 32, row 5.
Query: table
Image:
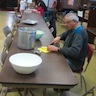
column 54, row 72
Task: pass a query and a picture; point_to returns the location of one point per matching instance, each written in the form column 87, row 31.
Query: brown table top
column 53, row 72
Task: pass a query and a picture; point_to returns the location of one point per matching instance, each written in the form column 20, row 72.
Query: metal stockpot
column 26, row 38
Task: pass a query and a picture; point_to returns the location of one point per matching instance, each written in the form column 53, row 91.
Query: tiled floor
column 6, row 18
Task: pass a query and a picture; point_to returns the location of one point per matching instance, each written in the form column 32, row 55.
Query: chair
column 16, row 21
column 89, row 56
column 7, row 30
column 2, row 60
column 90, row 91
column 80, row 72
column 3, row 57
column 7, row 42
column 17, row 13
column 5, row 89
column 69, row 93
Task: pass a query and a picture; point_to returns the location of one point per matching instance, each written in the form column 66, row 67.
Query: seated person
column 42, row 4
column 40, row 9
column 75, row 42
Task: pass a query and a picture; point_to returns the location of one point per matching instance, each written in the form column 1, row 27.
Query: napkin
column 43, row 49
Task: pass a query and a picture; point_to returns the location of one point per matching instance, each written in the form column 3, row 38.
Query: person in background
column 42, row 4
column 23, row 6
column 75, row 42
column 40, row 9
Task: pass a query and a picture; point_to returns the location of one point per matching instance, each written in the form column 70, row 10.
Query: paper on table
column 43, row 49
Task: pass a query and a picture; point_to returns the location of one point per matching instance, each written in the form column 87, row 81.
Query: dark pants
column 53, row 24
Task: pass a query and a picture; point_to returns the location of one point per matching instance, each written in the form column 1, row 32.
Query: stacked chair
column 4, row 90
column 7, row 43
column 9, row 34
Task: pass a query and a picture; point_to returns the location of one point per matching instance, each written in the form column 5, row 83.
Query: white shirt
column 23, row 5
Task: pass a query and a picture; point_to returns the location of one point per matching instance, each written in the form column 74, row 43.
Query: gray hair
column 72, row 16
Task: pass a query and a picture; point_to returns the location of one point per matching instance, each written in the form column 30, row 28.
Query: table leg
column 44, row 91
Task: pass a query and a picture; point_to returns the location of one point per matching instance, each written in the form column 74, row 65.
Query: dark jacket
column 75, row 46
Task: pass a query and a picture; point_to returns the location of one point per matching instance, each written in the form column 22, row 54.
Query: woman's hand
column 52, row 48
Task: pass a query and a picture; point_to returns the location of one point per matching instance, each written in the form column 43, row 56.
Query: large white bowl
column 25, row 63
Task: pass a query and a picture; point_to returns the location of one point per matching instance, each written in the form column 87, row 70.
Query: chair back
column 6, row 30
column 3, row 57
column 16, row 19
column 89, row 56
column 7, row 42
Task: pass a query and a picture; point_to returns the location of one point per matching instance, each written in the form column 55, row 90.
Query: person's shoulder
column 79, row 29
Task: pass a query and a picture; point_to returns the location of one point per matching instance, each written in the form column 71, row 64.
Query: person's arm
column 57, row 39
column 74, row 50
column 64, row 35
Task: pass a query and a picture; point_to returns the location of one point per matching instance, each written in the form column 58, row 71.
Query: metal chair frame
column 5, row 90
column 89, row 56
column 90, row 91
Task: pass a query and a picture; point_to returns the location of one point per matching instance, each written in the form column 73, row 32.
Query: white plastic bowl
column 25, row 63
